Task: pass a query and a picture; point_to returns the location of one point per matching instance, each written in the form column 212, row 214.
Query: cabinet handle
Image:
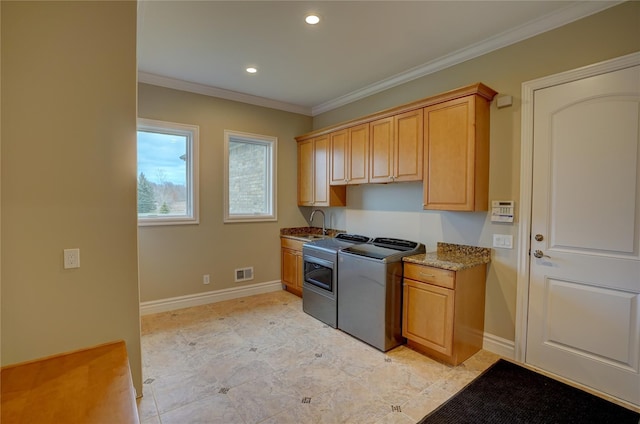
column 427, row 275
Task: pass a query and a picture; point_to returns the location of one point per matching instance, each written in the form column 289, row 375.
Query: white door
column 584, row 293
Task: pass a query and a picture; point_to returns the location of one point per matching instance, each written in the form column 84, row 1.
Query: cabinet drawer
column 427, row 274
column 291, row 243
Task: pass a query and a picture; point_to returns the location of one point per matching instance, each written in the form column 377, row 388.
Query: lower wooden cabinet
column 443, row 311
column 429, row 316
column 292, row 265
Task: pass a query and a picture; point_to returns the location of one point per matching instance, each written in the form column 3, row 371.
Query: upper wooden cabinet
column 313, row 175
column 349, row 152
column 456, row 155
column 396, row 148
column 306, row 172
column 442, row 140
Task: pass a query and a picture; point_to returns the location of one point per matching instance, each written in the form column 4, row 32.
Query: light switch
column 503, row 241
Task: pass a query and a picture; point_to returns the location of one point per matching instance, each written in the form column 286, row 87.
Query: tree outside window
column 167, row 173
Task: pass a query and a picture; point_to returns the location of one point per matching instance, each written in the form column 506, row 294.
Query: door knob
column 539, row 254
column 539, row 237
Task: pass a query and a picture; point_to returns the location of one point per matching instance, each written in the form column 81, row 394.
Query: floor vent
column 244, row 274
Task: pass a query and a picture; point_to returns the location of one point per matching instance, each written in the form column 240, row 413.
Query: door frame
column 526, row 180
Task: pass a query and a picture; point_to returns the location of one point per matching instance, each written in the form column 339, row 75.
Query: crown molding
column 543, row 24
column 208, row 90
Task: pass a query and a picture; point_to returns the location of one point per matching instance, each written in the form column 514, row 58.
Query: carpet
column 510, row 394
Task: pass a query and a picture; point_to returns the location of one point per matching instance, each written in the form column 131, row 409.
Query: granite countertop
column 302, row 233
column 454, row 257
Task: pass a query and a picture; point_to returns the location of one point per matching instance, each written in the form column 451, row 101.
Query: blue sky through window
column 159, row 157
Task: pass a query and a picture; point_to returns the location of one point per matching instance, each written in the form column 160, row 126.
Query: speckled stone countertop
column 454, row 257
column 296, row 232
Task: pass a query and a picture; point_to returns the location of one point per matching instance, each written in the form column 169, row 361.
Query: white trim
column 564, row 16
column 271, row 143
column 498, row 345
column 192, row 132
column 526, row 179
column 180, row 302
column 545, row 23
column 221, row 93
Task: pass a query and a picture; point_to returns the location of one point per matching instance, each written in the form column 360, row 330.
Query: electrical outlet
column 205, row 279
column 71, row 258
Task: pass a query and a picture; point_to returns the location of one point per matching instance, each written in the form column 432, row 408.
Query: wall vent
column 244, row 274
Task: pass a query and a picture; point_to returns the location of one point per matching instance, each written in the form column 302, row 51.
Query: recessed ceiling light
column 312, row 19
column 252, row 70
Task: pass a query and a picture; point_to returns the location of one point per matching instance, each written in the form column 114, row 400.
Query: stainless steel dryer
column 320, row 284
column 370, row 290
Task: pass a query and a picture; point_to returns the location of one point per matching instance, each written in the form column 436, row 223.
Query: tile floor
column 261, row 359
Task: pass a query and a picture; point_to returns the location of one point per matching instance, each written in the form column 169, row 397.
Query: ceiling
column 358, row 48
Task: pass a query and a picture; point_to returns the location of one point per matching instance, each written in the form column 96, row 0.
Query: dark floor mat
column 510, row 394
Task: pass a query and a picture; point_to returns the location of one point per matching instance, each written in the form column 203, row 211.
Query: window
column 167, row 173
column 250, row 177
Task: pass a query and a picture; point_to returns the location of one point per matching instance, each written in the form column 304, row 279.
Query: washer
column 370, row 290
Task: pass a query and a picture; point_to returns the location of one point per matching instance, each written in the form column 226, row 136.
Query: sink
column 310, row 236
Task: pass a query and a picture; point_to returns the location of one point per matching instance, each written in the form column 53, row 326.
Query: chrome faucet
column 324, row 231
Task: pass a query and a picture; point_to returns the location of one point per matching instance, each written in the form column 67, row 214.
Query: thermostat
column 502, row 210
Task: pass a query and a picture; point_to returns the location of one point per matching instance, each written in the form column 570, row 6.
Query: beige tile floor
column 261, row 359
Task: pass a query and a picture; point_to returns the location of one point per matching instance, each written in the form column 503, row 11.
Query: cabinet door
column 409, row 141
column 397, row 148
column 299, row 270
column 428, row 313
column 338, row 155
column 289, row 267
column 321, row 174
column 358, row 154
column 456, row 157
column 305, row 173
column 381, row 148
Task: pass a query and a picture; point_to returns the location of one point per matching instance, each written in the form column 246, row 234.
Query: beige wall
column 68, row 173
column 69, row 178
column 611, row 33
column 173, row 259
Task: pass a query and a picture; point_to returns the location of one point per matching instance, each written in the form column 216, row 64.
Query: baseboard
column 172, row 303
column 498, row 345
column 492, row 343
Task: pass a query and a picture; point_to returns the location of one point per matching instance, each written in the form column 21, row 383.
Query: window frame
column 192, row 133
column 272, row 144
